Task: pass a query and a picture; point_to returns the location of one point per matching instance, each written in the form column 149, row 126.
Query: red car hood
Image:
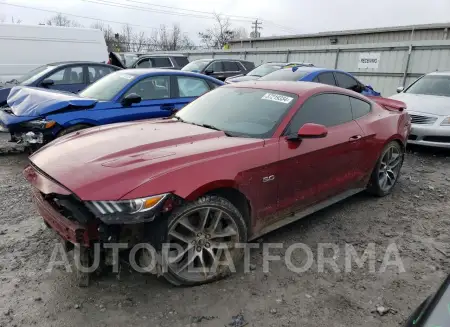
column 106, row 163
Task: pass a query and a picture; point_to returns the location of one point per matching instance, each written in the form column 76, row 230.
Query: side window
column 230, row 66
column 181, row 61
column 70, row 75
column 359, row 108
column 97, row 72
column 216, row 67
column 161, row 62
column 325, row 109
column 144, row 63
column 191, row 87
column 346, row 81
column 156, row 87
column 327, row 78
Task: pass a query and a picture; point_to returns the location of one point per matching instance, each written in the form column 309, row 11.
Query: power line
column 190, row 10
column 85, row 17
column 139, row 8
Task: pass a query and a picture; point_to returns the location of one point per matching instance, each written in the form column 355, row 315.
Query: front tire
column 387, row 170
column 204, row 231
column 71, row 129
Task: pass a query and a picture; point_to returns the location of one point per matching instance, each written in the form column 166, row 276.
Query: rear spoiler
column 389, row 104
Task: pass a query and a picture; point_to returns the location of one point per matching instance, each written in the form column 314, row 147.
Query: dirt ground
column 415, row 217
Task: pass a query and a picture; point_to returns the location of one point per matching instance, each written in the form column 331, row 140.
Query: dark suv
column 170, row 61
column 220, row 68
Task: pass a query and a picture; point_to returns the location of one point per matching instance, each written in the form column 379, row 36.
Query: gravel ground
column 415, row 217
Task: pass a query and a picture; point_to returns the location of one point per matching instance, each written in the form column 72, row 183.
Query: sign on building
column 369, row 60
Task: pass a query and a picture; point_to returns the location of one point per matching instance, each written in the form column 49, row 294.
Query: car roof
column 61, row 63
column 162, row 55
column 293, row 87
column 162, row 71
column 446, row 73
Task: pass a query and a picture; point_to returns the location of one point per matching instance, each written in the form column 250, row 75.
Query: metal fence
column 383, row 66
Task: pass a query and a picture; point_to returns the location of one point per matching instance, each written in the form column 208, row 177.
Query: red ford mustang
column 238, row 162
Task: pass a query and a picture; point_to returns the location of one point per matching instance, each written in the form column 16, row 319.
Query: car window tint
column 155, row 87
column 230, row 66
column 161, row 62
column 345, row 81
column 70, row 75
column 216, row 67
column 191, row 86
column 97, row 72
column 181, row 61
column 359, row 108
column 325, row 109
column 327, row 78
column 144, row 63
column 248, row 65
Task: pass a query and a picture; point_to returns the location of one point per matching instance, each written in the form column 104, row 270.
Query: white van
column 26, row 47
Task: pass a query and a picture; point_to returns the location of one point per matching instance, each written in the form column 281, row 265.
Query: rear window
column 285, row 75
column 248, row 65
column 181, row 61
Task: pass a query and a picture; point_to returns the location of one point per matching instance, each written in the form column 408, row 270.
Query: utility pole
column 255, row 27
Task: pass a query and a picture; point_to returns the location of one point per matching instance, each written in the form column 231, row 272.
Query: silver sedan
column 428, row 104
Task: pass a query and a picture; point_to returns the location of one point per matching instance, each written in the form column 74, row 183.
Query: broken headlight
column 39, row 124
column 125, row 207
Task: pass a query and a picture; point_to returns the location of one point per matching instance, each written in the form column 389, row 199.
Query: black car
column 73, row 76
column 169, row 61
column 264, row 69
column 220, row 68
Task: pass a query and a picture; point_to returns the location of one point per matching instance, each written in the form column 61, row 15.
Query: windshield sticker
column 277, row 98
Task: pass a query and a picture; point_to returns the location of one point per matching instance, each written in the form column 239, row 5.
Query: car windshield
column 106, row 88
column 263, row 70
column 34, row 75
column 196, row 66
column 241, row 112
column 285, row 75
column 431, row 85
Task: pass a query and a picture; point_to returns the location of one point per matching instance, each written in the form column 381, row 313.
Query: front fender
column 209, row 187
column 65, row 123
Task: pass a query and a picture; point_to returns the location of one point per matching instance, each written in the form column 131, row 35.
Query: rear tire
column 73, row 128
column 199, row 227
column 387, row 170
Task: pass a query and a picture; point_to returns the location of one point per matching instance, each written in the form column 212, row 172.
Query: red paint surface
column 139, row 159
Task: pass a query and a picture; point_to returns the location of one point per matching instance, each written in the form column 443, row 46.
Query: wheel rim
column 204, row 235
column 389, row 168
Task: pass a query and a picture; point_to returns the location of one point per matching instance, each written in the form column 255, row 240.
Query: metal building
column 365, row 36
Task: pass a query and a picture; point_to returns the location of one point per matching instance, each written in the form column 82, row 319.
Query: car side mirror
column 310, row 131
column 209, row 71
column 400, row 89
column 130, row 99
column 47, row 82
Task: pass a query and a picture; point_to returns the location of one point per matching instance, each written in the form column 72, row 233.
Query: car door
column 71, row 79
column 156, row 101
column 216, row 70
column 325, row 78
column 187, row 89
column 314, row 170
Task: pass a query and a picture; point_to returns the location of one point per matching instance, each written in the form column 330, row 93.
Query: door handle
column 355, row 138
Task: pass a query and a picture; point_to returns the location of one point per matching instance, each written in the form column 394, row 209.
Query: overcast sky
column 279, row 17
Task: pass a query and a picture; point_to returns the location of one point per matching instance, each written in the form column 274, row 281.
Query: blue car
column 321, row 75
column 71, row 76
column 36, row 116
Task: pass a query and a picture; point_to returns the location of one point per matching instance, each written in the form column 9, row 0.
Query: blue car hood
column 35, row 102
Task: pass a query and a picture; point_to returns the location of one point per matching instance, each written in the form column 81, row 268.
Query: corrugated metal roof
column 351, row 32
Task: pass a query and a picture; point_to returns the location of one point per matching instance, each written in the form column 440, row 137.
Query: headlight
column 125, row 207
column 39, row 123
column 446, row 121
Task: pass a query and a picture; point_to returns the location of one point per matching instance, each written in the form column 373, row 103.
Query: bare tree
column 219, row 35
column 240, row 33
column 61, row 20
column 109, row 35
column 166, row 39
column 13, row 21
column 140, row 42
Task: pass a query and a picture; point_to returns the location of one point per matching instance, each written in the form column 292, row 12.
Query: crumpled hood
column 107, row 162
column 241, row 78
column 35, row 102
column 430, row 104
